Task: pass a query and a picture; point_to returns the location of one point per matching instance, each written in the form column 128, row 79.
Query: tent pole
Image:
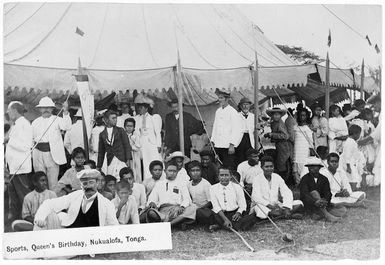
column 85, row 138
column 180, row 105
column 362, row 79
column 327, row 94
column 256, row 103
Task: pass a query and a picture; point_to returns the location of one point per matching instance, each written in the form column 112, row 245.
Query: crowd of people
column 319, row 166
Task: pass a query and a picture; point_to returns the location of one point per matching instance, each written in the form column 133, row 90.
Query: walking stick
column 243, row 240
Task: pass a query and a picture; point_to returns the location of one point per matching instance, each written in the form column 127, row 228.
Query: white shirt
column 172, row 192
column 182, row 176
column 19, row 145
column 339, row 178
column 266, row 192
column 139, row 192
column 350, row 154
column 200, row 193
column 226, row 127
column 41, row 124
column 86, row 203
column 248, row 173
column 176, row 116
column 120, row 119
column 109, row 133
column 128, row 212
column 74, row 137
column 95, row 138
column 227, row 198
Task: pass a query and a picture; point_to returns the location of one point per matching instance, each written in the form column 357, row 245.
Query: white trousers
column 43, row 161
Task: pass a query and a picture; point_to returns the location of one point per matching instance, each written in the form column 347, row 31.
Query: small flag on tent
column 79, row 31
column 367, row 37
column 330, row 38
column 377, row 49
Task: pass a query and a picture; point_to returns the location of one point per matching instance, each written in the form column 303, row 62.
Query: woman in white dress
column 134, row 138
column 149, row 128
column 338, row 130
column 303, row 142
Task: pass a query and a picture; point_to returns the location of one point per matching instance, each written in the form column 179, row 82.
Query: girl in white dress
column 134, row 138
column 303, row 142
column 338, row 130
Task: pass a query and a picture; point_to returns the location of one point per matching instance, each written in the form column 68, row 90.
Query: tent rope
column 37, row 10
column 41, row 137
column 148, row 38
column 189, row 40
column 9, row 10
column 45, row 37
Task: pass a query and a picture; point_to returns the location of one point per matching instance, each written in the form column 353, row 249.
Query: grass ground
column 198, row 244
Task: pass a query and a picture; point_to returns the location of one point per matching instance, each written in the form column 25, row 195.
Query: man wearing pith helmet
column 81, row 208
column 49, row 152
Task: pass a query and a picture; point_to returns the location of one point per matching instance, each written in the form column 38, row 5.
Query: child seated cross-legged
column 102, row 187
column 342, row 193
column 125, row 204
column 32, row 202
column 199, row 189
column 170, row 200
column 69, row 182
column 229, row 204
column 138, row 190
column 156, row 170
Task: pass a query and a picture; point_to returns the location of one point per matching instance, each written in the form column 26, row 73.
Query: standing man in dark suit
column 114, row 143
column 190, row 124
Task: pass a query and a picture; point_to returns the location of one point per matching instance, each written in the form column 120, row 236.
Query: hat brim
column 185, row 158
column 308, row 165
column 271, row 112
column 42, row 106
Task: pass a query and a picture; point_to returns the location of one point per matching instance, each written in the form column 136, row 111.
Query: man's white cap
column 46, row 102
column 88, row 173
column 313, row 161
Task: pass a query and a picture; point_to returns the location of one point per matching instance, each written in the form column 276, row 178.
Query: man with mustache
column 46, row 130
column 81, row 208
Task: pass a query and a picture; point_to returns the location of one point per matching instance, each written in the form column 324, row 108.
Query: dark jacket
column 120, row 147
column 190, row 125
column 308, row 184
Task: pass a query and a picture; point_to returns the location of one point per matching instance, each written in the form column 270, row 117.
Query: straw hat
column 142, row 99
column 271, row 112
column 313, row 161
column 46, row 102
column 177, row 154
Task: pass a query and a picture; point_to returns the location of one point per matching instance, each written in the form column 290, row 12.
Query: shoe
column 297, row 216
column 213, row 228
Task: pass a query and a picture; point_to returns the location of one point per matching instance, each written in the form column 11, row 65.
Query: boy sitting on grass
column 32, row 202
column 125, row 204
column 110, row 185
column 138, row 190
column 69, row 182
column 156, row 170
column 170, row 200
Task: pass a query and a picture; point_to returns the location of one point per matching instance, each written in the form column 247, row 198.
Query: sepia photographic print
column 191, row 131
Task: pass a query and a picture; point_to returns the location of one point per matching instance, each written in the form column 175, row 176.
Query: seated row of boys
column 323, row 194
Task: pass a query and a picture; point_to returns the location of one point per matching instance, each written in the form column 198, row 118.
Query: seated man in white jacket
column 266, row 190
column 82, row 208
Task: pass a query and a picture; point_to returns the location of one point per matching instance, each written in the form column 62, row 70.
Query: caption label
column 84, row 241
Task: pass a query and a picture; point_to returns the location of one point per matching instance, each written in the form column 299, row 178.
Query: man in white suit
column 81, row 208
column 19, row 166
column 74, row 136
column 49, row 152
column 246, row 135
column 148, row 126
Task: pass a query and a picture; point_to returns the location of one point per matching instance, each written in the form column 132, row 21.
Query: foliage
column 300, row 55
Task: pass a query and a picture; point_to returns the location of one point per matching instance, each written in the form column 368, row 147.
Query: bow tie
column 245, row 115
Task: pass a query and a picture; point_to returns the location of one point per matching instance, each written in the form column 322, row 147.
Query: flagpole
column 327, row 94
column 85, row 138
column 180, row 105
column 362, row 79
column 256, row 103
